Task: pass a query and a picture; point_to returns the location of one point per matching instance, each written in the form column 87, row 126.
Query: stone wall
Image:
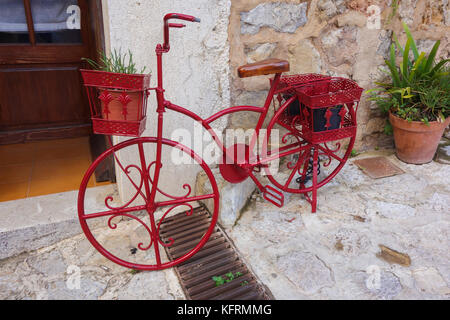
column 196, row 70
column 331, row 37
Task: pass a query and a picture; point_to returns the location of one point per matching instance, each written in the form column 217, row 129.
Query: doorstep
column 36, row 222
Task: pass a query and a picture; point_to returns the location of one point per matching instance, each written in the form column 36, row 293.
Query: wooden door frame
column 24, row 54
column 99, row 143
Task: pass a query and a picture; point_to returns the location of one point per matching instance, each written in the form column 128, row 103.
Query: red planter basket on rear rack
column 328, row 109
column 118, row 102
column 287, row 88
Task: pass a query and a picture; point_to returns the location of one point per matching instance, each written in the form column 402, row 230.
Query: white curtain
column 48, row 15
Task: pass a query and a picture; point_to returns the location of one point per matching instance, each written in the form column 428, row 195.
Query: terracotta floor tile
column 57, row 184
column 16, row 147
column 55, row 154
column 70, row 149
column 15, row 173
column 104, row 183
column 42, row 187
column 44, row 167
column 60, row 169
column 16, row 157
column 16, row 154
column 13, row 191
column 58, row 176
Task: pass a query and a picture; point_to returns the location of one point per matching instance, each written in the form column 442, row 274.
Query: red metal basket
column 118, row 101
column 288, row 83
column 328, row 109
column 330, row 92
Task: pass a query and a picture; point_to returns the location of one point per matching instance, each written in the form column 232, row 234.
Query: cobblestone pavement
column 332, row 254
column 73, row 269
column 335, row 253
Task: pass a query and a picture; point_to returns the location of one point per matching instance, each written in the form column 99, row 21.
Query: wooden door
column 41, row 46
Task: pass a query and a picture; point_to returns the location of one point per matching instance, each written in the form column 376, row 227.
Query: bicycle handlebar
column 168, row 25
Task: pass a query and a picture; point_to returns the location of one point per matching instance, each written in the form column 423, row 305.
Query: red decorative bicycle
column 315, row 116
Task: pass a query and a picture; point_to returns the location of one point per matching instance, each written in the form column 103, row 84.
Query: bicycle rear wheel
column 127, row 232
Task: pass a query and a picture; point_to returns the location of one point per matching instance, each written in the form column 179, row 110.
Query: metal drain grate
column 216, row 258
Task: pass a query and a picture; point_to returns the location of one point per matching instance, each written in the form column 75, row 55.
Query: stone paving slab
column 73, row 269
column 37, row 222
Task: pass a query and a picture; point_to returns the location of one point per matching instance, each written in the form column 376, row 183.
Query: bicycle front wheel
column 127, row 230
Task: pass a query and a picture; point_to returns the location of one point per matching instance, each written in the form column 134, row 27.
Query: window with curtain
column 54, row 21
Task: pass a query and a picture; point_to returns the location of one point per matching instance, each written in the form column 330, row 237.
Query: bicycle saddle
column 267, row 66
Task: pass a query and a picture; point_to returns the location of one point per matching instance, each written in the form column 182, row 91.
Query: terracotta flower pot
column 115, row 105
column 416, row 142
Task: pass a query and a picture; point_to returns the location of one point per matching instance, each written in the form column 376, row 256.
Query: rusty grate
column 217, row 258
column 378, row 167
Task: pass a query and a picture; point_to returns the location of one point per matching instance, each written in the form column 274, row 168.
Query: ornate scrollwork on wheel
column 185, row 186
column 303, row 160
column 328, row 159
column 328, row 151
column 113, row 225
column 337, row 147
column 127, row 171
column 188, row 213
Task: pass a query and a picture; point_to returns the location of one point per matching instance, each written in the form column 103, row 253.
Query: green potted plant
column 120, row 85
column 417, row 99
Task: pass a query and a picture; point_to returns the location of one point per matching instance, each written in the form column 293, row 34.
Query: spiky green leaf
column 394, row 73
column 413, row 44
column 431, row 56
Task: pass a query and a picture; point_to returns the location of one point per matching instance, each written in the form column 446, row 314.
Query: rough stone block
column 446, row 9
column 406, row 10
column 304, row 58
column 327, row 7
column 443, row 151
column 340, row 45
column 37, row 222
column 233, row 197
column 352, row 18
column 282, row 17
column 260, row 52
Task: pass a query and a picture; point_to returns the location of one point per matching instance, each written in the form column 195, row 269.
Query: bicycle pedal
column 273, row 195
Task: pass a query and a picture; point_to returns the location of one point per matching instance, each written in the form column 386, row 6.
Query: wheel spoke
column 281, row 155
column 112, row 212
column 291, row 176
column 184, row 200
column 138, row 189
column 296, row 168
column 276, row 151
column 329, row 153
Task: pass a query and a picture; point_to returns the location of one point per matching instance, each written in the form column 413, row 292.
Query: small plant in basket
column 117, row 91
column 117, row 63
column 417, row 99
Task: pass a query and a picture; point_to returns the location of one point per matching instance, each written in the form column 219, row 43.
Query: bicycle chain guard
column 236, row 154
